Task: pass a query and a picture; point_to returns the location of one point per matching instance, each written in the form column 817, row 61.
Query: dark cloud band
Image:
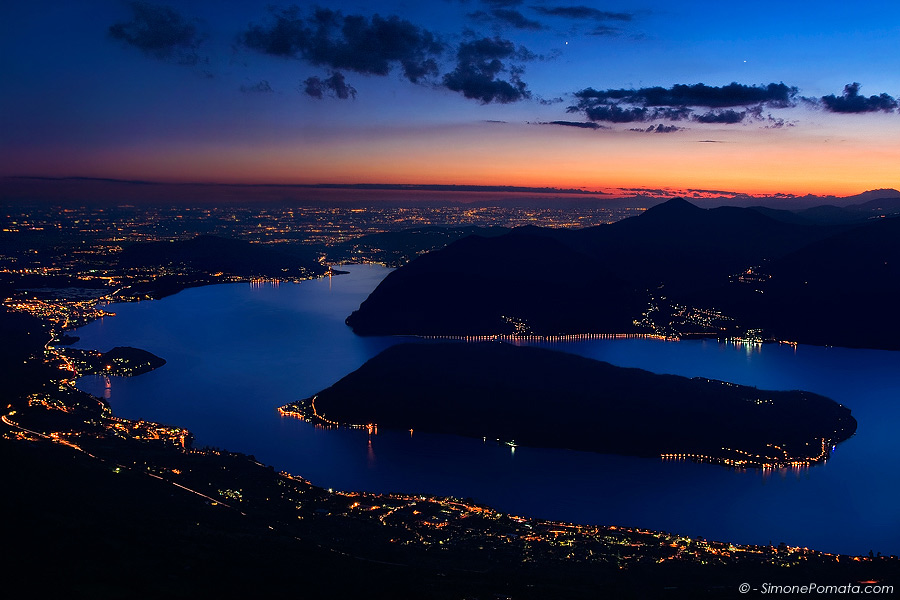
column 506, row 17
column 581, row 12
column 578, row 124
column 678, row 102
column 776, row 95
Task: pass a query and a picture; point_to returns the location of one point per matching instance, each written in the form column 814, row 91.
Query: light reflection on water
column 237, row 352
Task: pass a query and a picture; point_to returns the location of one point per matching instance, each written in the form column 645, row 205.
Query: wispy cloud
column 259, row 87
column 334, row 86
column 506, row 17
column 582, row 12
column 160, row 32
column 659, row 128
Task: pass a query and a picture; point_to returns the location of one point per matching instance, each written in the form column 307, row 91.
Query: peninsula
column 535, row 397
column 123, row 361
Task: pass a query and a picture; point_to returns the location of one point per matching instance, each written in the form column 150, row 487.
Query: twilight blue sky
column 543, row 92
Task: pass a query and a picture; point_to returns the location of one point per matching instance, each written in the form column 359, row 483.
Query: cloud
column 261, row 87
column 160, row 32
column 333, row 86
column 604, row 30
column 505, row 16
column 549, row 101
column 353, row 42
column 678, row 102
column 478, row 65
column 851, row 102
column 659, row 128
column 581, row 13
column 613, row 113
column 716, row 192
column 776, row 95
column 778, row 123
column 580, row 124
column 493, row 3
column 674, row 113
column 721, row 116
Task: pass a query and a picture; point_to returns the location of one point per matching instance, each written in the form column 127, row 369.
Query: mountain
column 780, row 214
column 483, row 285
column 878, row 206
column 556, row 281
column 842, row 290
column 874, row 195
column 746, row 263
column 681, row 246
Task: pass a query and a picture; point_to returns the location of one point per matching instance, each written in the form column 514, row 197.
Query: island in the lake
column 535, row 397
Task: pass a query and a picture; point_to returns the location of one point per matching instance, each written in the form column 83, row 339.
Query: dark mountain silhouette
column 875, row 204
column 875, row 195
column 831, row 284
column 540, row 397
column 682, row 247
column 889, row 204
column 478, row 285
column 825, row 214
column 600, row 279
column 828, row 214
column 785, row 216
column 843, row 290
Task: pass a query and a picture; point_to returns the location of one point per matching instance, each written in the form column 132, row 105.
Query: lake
column 236, row 352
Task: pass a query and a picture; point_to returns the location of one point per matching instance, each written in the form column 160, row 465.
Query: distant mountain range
column 95, row 190
column 796, row 277
column 886, row 205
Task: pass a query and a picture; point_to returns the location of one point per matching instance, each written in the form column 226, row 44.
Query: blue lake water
column 236, row 352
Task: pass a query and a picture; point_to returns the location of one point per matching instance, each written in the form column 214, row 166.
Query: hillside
column 808, row 282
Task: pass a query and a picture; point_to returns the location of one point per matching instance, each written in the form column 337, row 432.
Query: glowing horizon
column 650, row 97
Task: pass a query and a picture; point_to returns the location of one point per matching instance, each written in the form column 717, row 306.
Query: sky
column 758, row 98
